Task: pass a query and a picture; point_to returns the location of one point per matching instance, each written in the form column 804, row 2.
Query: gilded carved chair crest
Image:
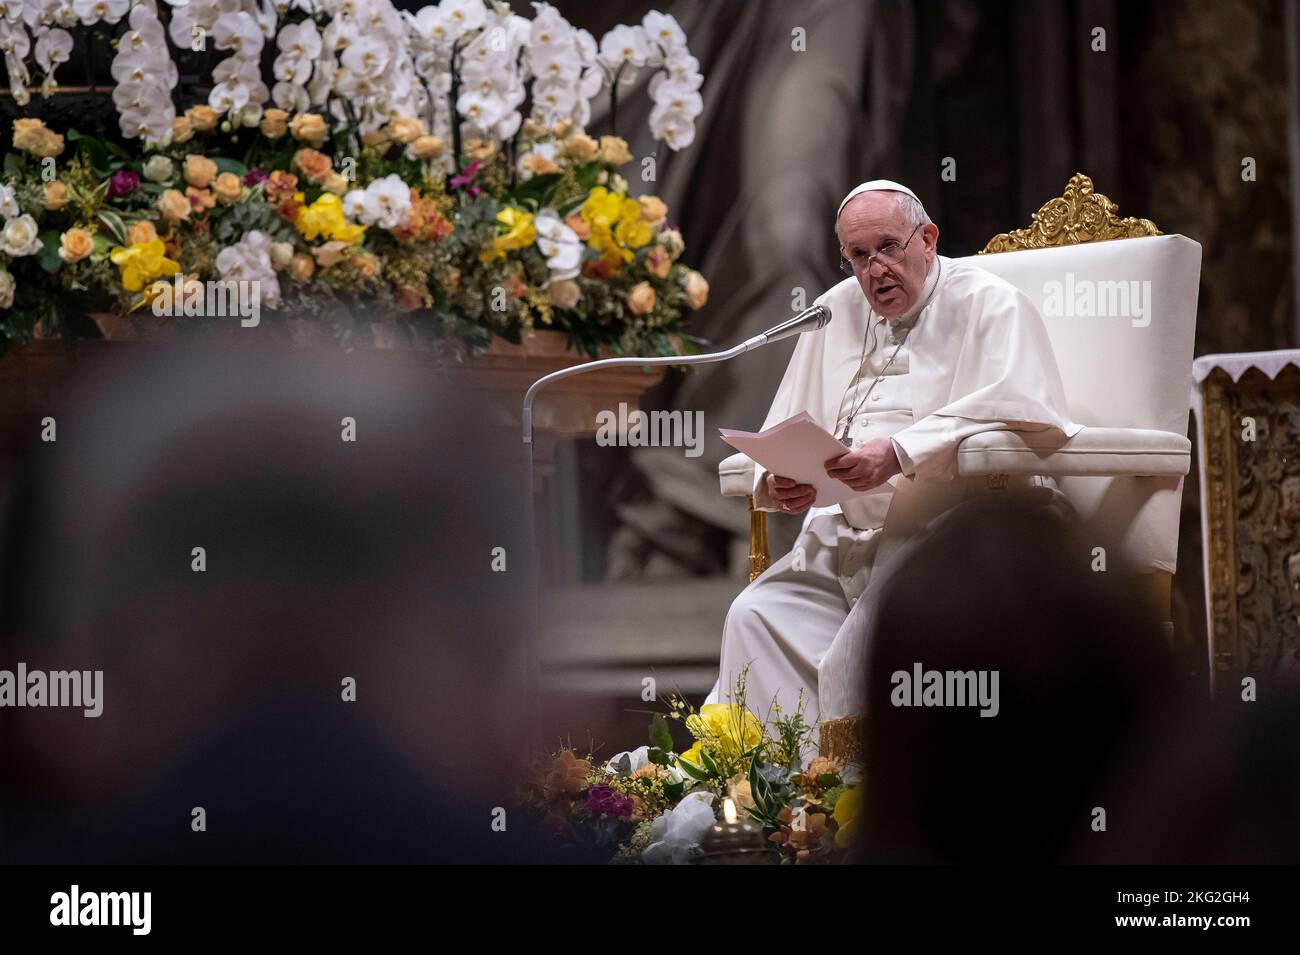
column 1081, row 214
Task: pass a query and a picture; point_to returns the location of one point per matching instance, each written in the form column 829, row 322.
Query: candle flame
column 729, row 810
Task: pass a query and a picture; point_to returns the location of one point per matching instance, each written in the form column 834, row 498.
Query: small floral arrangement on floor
column 427, row 172
column 653, row 805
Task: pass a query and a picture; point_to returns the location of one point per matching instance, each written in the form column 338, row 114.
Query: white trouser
column 783, row 623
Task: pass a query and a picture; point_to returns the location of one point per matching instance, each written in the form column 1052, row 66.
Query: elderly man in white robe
column 922, row 352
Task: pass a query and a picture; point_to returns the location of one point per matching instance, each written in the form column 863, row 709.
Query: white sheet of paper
column 798, row 448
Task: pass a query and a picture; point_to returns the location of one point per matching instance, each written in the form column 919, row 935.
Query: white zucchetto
column 875, row 185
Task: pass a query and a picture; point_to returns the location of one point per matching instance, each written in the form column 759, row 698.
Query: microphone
column 809, row 320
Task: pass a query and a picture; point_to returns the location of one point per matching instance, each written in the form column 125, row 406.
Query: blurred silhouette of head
column 1080, row 667
column 329, row 562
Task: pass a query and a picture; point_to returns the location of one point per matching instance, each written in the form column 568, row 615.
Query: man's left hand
column 867, row 466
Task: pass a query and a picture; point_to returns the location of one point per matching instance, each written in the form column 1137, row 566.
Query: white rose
column 20, row 237
column 6, row 289
column 159, row 169
column 677, row 832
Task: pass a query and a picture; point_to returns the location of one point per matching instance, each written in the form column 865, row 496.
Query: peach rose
column 275, row 123
column 539, row 165
column 367, row 265
column 405, row 130
column 641, row 299
column 228, row 187
column 613, row 150
column 331, row 253
column 377, row 138
column 579, row 226
column 480, row 149
column 28, row 133
column 428, row 147
column 562, row 127
column 314, row 165
column 182, row 130
column 581, row 147
column 657, row 262
column 199, row 171
column 201, row 199
column 309, row 128
column 56, row 195
column 697, row 290
column 75, row 245
column 302, row 267
column 202, row 118
column 141, row 232
column 336, row 183
column 564, row 293
column 173, row 205
column 653, row 209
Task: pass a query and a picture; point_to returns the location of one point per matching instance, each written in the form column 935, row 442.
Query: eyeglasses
column 890, row 254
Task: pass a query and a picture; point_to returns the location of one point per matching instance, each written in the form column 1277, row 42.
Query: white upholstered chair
column 1127, row 378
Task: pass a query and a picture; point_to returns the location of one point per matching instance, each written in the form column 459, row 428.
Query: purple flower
column 466, row 179
column 123, row 183
column 254, row 176
column 605, row 800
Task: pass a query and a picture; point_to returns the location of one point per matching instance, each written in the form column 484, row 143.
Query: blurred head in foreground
column 1081, row 669
column 329, row 564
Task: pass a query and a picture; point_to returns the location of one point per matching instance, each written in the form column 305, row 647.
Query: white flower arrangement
column 362, row 62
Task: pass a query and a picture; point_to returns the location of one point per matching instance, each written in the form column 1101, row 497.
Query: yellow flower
column 633, row 233
column 733, row 728
column 522, row 233
column 601, row 208
column 142, row 263
column 324, row 219
column 847, row 808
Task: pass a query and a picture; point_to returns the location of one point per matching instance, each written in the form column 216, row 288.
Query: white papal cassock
column 976, row 358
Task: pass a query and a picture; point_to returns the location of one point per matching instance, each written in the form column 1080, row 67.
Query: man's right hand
column 789, row 495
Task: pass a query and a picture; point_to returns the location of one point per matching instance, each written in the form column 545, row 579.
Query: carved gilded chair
column 1127, row 378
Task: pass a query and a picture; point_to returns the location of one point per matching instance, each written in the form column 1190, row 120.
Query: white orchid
column 385, row 202
column 624, row 44
column 249, row 260
column 145, row 74
column 90, row 12
column 239, row 33
column 560, row 245
column 663, row 34
column 52, row 48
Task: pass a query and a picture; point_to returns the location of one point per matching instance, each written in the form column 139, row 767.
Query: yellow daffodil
column 142, row 262
column 847, row 808
column 324, row 218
